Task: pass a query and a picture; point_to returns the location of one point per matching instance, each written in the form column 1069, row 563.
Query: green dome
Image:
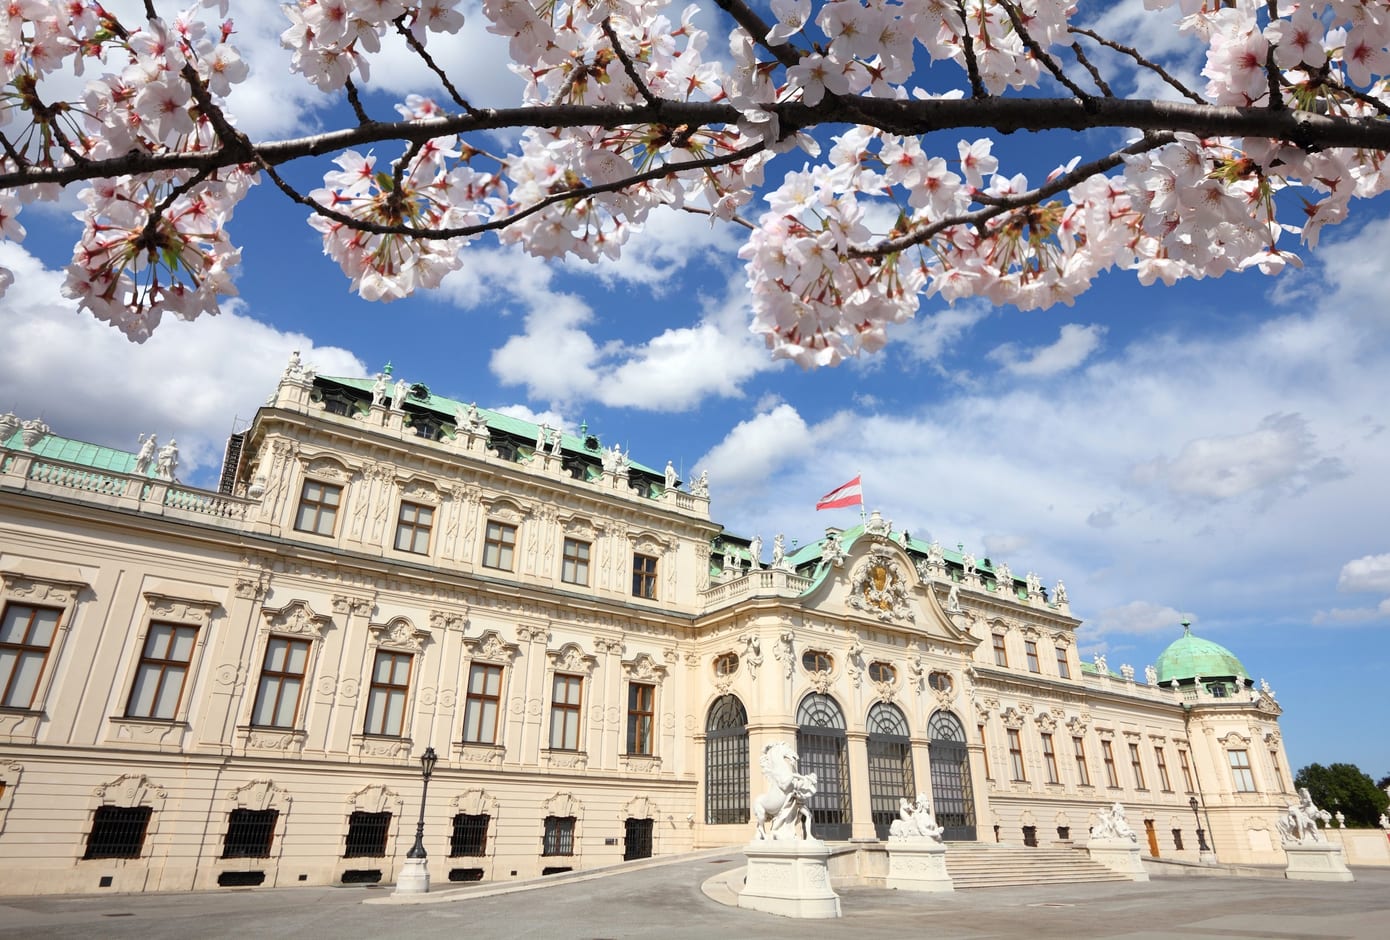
column 1190, row 656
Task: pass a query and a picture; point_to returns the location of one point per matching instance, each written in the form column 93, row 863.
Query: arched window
column 891, row 776
column 726, row 762
column 952, row 795
column 820, row 743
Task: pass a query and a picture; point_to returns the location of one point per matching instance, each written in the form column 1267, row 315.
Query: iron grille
column 118, row 832
column 241, row 879
column 366, row 835
column 891, row 775
column 820, row 743
column 559, row 836
column 470, row 835
column 637, row 839
column 249, row 832
column 1177, row 839
column 465, row 874
column 1030, row 836
column 950, row 777
column 726, row 762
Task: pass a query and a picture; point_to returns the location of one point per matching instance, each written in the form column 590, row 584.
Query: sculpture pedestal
column 1121, row 855
column 414, row 877
column 789, row 878
column 1316, row 861
column 918, row 865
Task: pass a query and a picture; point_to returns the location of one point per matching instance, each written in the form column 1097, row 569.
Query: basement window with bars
column 118, row 832
column 559, row 836
column 366, row 835
column 470, row 835
column 249, row 833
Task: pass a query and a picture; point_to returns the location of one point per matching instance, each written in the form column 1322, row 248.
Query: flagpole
column 862, row 517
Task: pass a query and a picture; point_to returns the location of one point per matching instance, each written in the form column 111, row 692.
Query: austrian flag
column 848, row 494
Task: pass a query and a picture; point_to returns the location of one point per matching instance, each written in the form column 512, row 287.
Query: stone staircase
column 996, row 865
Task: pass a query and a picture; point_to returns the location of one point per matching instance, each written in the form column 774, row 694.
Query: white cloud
column 929, row 336
column 1073, row 347
column 189, row 381
column 521, row 412
column 756, row 449
column 1280, row 454
column 1138, row 617
column 1368, row 573
column 1000, row 547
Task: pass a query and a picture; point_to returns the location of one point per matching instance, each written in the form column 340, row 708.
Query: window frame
column 1016, row 765
column 163, row 665
column 23, row 647
column 1083, row 770
column 320, row 506
column 267, row 819
column 640, row 744
column 1136, row 763
column 572, row 562
column 477, row 703
column 821, row 662
column 1242, row 774
column 499, row 543
column 468, row 832
column 391, row 690
column 1107, row 754
column 557, row 839
column 1185, row 764
column 645, row 573
column 1063, row 663
column 99, row 822
column 1161, row 761
column 1030, row 654
column 303, row 678
column 568, row 713
column 1050, row 758
column 414, row 527
column 1001, row 652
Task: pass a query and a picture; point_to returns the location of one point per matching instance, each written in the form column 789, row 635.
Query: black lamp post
column 427, row 762
column 1201, row 836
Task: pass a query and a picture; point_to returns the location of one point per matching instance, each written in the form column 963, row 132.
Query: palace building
column 234, row 686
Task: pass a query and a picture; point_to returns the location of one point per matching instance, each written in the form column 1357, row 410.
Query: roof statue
column 755, row 551
column 779, row 551
column 967, row 564
column 557, row 439
column 953, row 600
column 783, row 813
column 168, row 460
column 1059, row 594
column 915, row 822
column 1151, row 675
column 671, row 481
column 398, row 395
column 1299, row 825
column 379, row 390
column 1111, row 824
column 1004, row 577
column 145, row 458
column 701, row 485
column 832, row 552
column 542, row 436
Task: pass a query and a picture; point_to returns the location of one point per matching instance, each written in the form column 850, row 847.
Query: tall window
column 564, row 713
column 1186, row 770
column 1112, row 778
column 118, row 832
column 1278, row 774
column 1138, row 766
column 1240, row 771
column 1016, row 755
column 483, row 705
column 282, row 681
column 499, row 546
column 641, row 708
column 387, row 696
column 159, row 680
column 726, row 762
column 1050, row 759
column 644, row 577
column 1001, row 656
column 559, row 836
column 26, row 635
column 413, row 528
column 366, row 835
column 1030, row 649
column 249, row 833
column 1162, row 763
column 1063, row 669
column 574, row 566
column 470, row 835
column 1083, row 773
column 318, row 507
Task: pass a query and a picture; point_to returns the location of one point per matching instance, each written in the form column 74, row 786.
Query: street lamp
column 427, row 762
column 415, row 876
column 1201, row 836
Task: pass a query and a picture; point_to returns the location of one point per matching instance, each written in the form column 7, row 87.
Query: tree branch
column 1140, row 60
column 758, row 28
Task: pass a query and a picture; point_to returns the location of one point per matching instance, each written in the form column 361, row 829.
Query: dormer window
column 817, row 661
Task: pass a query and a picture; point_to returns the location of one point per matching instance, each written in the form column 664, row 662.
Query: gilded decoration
column 878, row 586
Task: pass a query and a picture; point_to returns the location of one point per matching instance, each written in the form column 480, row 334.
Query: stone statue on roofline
column 1059, row 594
column 779, row 551
column 967, row 563
column 379, row 390
column 671, row 479
column 1151, row 675
column 701, row 485
column 144, row 459
column 9, row 423
column 557, row 440
column 398, row 395
column 755, row 552
column 168, row 460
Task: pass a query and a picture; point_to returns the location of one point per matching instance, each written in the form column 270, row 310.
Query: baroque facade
column 233, row 687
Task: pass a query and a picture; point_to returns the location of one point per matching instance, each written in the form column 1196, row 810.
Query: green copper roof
column 1190, row 656
column 53, row 447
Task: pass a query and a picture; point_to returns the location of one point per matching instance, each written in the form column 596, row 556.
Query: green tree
column 1344, row 788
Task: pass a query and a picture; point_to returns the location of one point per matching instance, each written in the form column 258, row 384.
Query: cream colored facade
column 358, row 546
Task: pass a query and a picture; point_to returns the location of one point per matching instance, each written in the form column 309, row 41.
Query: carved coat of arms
column 878, row 586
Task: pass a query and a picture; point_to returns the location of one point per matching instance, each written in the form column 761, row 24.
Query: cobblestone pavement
column 667, row 902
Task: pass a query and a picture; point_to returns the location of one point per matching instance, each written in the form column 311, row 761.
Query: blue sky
column 1215, row 450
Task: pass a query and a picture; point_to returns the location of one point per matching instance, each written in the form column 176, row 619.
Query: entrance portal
column 953, row 797
column 820, row 743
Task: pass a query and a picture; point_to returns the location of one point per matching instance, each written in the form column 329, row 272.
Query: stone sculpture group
column 1111, row 824
column 784, row 812
column 1299, row 824
column 915, row 821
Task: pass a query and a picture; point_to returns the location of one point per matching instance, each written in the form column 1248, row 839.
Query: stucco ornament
column 783, row 813
column 915, row 822
column 1111, row 824
column 879, row 586
column 1299, row 824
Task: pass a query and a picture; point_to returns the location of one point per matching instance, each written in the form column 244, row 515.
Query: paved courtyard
column 667, row 901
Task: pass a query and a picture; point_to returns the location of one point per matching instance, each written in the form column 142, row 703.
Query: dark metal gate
column 953, row 798
column 726, row 763
column 637, row 839
column 820, row 743
column 891, row 776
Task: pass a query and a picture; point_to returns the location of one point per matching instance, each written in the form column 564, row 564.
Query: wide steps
column 986, row 865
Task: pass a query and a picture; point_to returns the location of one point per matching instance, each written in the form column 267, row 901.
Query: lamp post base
column 414, row 877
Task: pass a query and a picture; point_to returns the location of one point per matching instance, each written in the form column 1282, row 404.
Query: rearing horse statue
column 786, row 804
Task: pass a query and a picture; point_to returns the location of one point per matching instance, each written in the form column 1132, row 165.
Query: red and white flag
column 848, row 494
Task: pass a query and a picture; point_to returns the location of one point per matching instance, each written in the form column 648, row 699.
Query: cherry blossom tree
column 850, row 138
